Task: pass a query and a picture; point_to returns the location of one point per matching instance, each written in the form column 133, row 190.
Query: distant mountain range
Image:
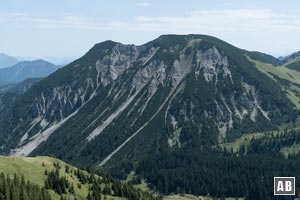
column 24, row 70
column 59, row 60
column 7, row 61
column 282, row 58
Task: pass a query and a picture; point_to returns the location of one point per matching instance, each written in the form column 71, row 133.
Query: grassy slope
column 246, row 138
column 297, row 59
column 243, row 140
column 284, row 73
column 33, row 170
column 294, row 149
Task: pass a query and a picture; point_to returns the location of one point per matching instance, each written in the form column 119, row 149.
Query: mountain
column 7, row 101
column 58, row 61
column 265, row 58
column 281, row 58
column 293, row 61
column 175, row 102
column 58, row 179
column 291, row 57
column 19, row 88
column 7, row 61
column 118, row 91
column 25, row 70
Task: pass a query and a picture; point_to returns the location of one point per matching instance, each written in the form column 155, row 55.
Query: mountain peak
column 105, row 44
column 26, row 69
column 42, row 61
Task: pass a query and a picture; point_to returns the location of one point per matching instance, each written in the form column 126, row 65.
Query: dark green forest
column 16, row 188
column 210, row 173
column 219, row 173
column 107, row 185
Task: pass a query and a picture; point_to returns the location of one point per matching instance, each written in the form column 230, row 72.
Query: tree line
column 211, row 172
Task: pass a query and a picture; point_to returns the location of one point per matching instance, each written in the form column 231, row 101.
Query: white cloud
column 254, row 29
column 66, row 21
column 242, row 20
column 257, row 29
column 142, row 4
column 226, row 21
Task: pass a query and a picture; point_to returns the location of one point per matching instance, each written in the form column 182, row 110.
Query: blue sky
column 68, row 28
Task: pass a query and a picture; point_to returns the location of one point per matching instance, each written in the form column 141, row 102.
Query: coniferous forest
column 16, row 188
column 100, row 185
column 219, row 172
column 108, row 185
column 213, row 174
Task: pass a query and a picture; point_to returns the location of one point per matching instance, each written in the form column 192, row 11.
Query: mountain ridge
column 24, row 70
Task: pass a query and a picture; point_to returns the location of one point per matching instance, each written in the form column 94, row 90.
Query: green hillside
column 288, row 78
column 293, row 61
column 36, row 170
